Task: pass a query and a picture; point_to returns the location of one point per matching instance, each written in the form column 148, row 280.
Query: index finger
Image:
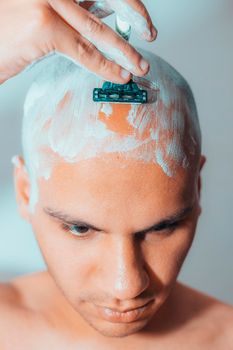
column 102, row 36
column 135, row 13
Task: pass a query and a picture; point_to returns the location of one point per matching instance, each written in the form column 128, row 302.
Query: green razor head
column 128, row 93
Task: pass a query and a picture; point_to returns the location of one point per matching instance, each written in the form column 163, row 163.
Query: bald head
column 62, row 123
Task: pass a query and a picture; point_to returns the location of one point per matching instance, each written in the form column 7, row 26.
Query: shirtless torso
column 31, row 320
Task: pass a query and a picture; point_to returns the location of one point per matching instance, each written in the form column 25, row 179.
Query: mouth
column 126, row 316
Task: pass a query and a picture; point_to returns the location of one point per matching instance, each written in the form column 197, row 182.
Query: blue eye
column 79, row 229
column 76, row 230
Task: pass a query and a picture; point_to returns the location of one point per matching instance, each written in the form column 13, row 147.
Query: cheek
column 62, row 253
column 166, row 257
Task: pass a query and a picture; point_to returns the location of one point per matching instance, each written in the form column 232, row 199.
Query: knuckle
column 104, row 65
column 127, row 49
column 41, row 17
column 85, row 49
column 93, row 24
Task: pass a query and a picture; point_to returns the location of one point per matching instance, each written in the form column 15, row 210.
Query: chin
column 118, row 330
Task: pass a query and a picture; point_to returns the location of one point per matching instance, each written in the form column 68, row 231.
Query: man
column 112, row 193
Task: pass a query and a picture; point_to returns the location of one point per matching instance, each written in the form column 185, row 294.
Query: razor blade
column 120, row 93
column 129, row 93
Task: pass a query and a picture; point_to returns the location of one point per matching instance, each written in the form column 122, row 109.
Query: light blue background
column 197, row 38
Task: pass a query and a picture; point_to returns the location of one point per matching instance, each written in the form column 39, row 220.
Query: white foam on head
column 61, row 121
column 107, row 109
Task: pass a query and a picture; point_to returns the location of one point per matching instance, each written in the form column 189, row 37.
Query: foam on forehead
column 61, row 122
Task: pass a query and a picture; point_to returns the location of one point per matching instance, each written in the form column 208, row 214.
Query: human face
column 114, row 233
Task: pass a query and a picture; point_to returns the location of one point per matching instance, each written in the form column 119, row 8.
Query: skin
column 63, row 26
column 118, row 267
column 135, row 269
column 119, row 263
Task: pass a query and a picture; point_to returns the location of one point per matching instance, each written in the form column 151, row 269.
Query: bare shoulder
column 19, row 299
column 214, row 316
column 216, row 309
column 10, row 304
column 20, row 311
column 221, row 315
column 9, row 297
column 24, row 292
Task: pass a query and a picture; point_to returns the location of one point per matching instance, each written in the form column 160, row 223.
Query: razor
column 129, row 93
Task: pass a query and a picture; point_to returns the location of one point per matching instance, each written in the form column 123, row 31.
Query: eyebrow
column 169, row 220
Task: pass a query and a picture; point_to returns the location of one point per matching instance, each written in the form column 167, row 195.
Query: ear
column 201, row 165
column 22, row 186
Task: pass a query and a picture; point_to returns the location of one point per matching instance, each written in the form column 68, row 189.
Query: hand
column 31, row 29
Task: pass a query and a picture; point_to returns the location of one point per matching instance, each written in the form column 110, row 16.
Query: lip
column 126, row 316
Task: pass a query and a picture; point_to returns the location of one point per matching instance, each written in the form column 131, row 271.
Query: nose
column 128, row 275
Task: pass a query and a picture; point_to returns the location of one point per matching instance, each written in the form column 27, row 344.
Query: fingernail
column 154, row 32
column 125, row 74
column 146, row 34
column 144, row 65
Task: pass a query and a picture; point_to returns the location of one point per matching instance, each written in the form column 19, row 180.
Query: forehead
column 114, row 184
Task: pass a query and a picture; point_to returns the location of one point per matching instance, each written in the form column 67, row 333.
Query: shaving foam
column 128, row 14
column 62, row 123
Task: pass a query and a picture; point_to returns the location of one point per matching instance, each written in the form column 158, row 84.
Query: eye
column 76, row 230
column 163, row 230
column 167, row 227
